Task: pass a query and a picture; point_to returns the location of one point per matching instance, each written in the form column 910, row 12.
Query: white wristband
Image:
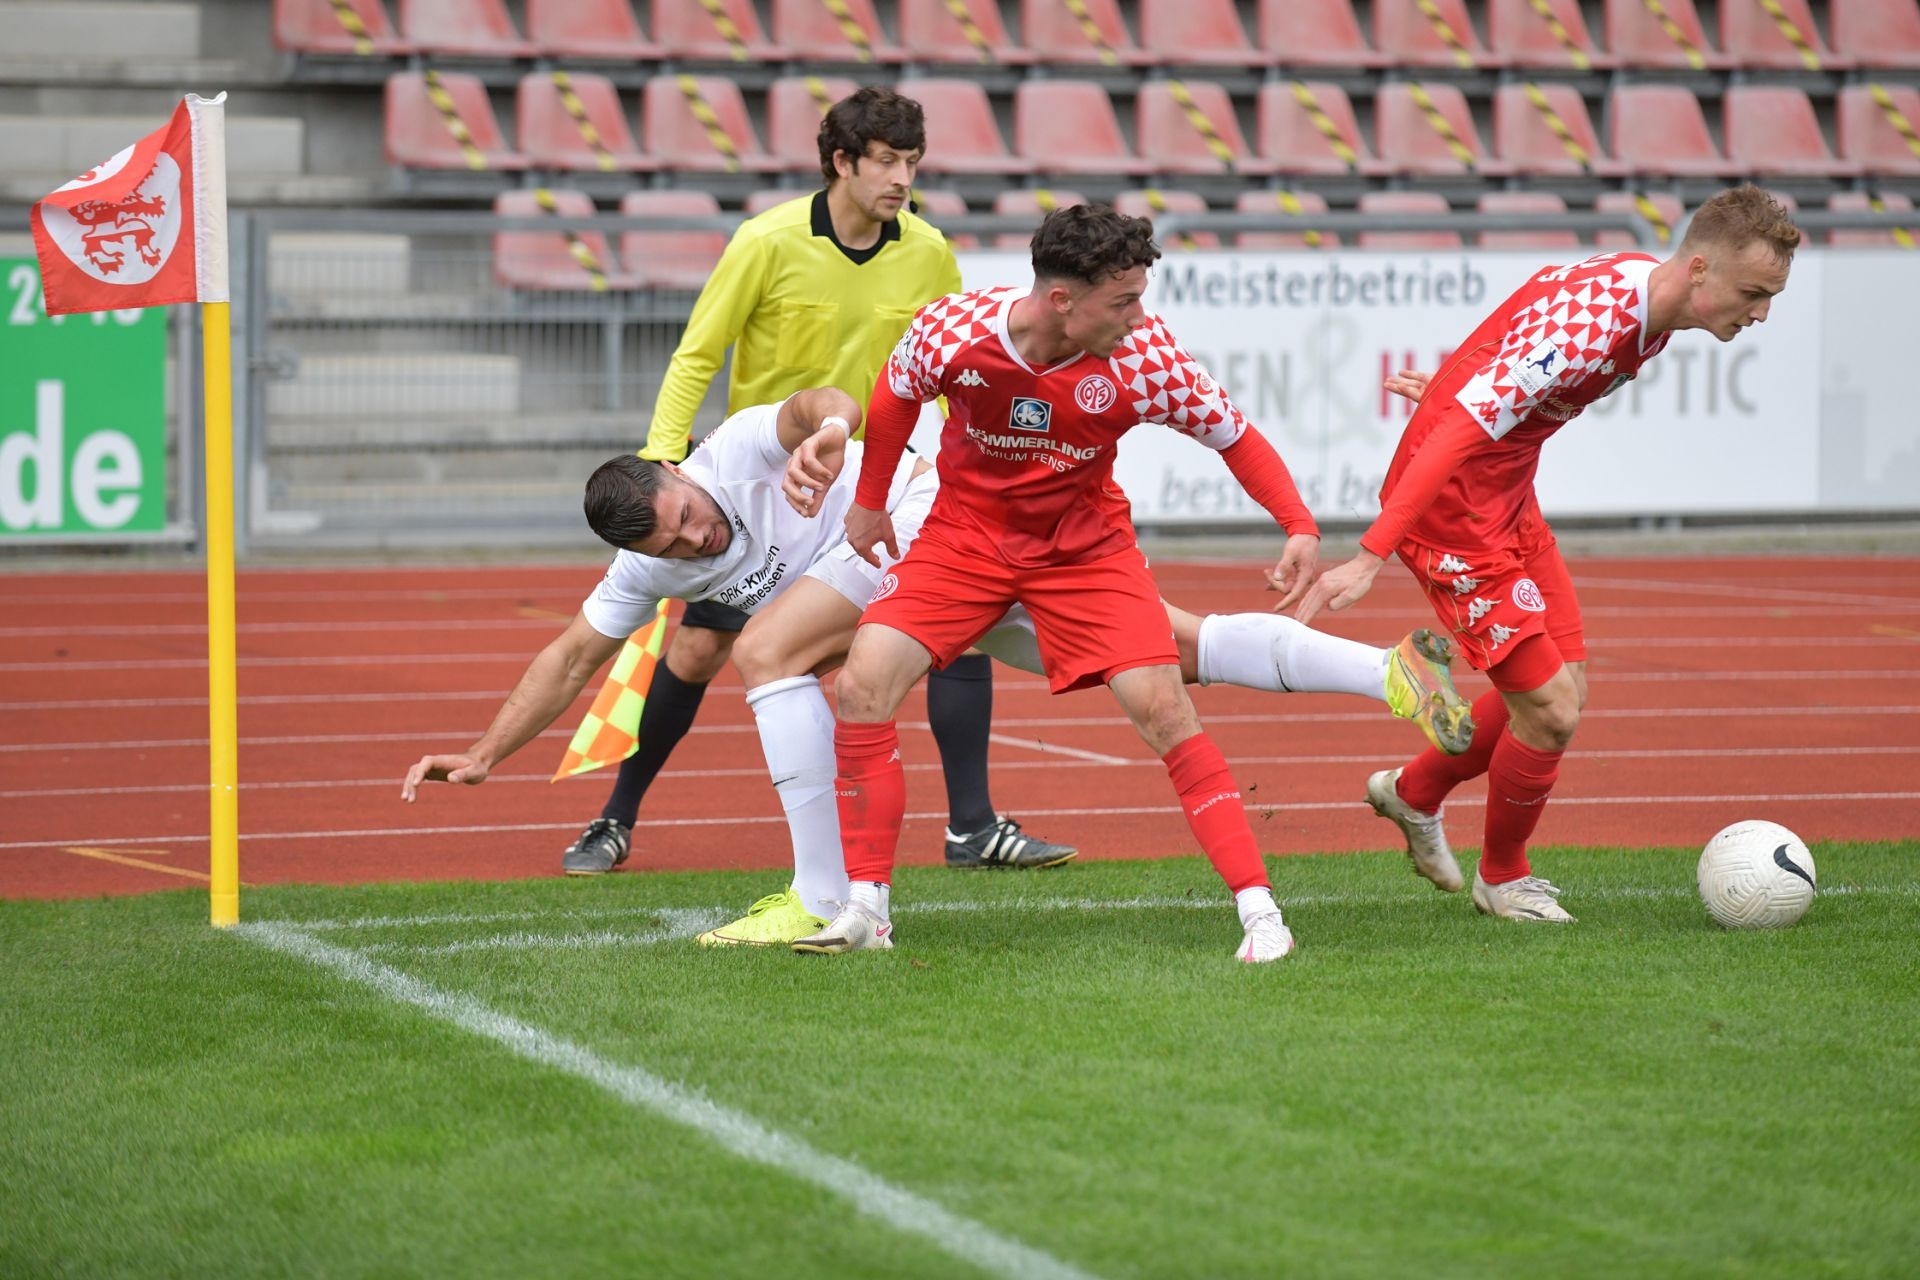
column 835, row 420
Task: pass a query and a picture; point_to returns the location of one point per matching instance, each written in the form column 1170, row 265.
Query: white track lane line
column 866, row 1192
column 1116, row 811
column 1054, row 749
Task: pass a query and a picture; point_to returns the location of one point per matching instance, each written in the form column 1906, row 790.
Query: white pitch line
column 1055, row 749
column 868, row 1193
column 678, row 925
column 1116, row 811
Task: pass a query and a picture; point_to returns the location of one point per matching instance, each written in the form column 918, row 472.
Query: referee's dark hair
column 872, row 114
column 1090, row 242
column 619, row 502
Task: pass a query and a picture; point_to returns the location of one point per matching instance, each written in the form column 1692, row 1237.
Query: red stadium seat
column 677, row 139
column 579, row 262
column 1305, row 203
column 1638, row 37
column 793, row 118
column 1152, row 202
column 685, row 29
column 463, row 28
column 1771, row 129
column 930, row 33
column 1197, row 33
column 1868, row 137
column 1290, row 141
column 1876, row 33
column 1411, row 38
column 314, row 26
column 1406, row 202
column 600, row 29
column 808, row 30
column 1053, row 34
column 1324, row 33
column 1861, row 202
column 1525, row 138
column 937, row 205
column 419, row 136
column 1524, row 202
column 1068, row 126
column 1660, row 129
column 1519, row 33
column 1666, row 212
column 1038, row 201
column 1752, row 36
column 962, row 135
column 1411, row 142
column 553, row 139
column 679, row 258
column 758, row 202
column 1170, row 141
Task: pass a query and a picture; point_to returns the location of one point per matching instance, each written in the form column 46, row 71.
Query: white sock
column 874, row 896
column 796, row 734
column 1255, row 901
column 1273, row 652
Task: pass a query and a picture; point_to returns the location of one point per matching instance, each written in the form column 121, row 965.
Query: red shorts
column 1493, row 600
column 1093, row 619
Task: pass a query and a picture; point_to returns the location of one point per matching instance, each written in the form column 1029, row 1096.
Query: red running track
column 1721, row 689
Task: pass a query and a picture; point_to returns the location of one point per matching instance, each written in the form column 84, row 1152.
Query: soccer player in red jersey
column 1041, row 383
column 1458, row 507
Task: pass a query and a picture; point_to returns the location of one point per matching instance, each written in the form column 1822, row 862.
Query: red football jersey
column 1567, row 337
column 1026, row 457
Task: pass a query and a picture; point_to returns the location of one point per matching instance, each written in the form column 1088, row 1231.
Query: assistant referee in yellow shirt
column 815, row 292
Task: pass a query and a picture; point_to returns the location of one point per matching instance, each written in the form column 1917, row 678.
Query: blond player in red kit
column 1458, row 507
column 1041, row 383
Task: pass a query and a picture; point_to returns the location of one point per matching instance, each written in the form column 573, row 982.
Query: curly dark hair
column 620, row 499
column 872, row 114
column 1090, row 242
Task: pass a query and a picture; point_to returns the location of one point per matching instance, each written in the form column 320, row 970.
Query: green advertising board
column 83, row 416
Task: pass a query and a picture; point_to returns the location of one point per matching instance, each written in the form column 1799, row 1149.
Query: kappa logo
column 888, row 585
column 1035, row 417
column 1527, row 596
column 1095, row 394
column 1488, row 411
column 970, row 378
column 1498, row 635
column 1606, row 369
column 1465, row 586
column 1452, row 564
column 1479, row 609
column 126, row 241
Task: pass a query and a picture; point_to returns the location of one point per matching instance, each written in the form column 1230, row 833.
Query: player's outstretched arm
column 1299, row 560
column 548, row 687
column 814, row 427
column 1409, row 384
column 1340, row 586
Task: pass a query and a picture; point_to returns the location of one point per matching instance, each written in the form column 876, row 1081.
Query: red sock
column 870, row 789
column 1213, row 809
column 1518, row 783
column 1424, row 784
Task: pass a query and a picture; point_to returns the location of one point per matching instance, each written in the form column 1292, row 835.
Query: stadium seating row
column 1301, row 33
column 682, row 259
column 577, row 121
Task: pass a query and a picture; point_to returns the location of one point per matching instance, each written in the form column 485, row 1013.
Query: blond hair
column 1738, row 217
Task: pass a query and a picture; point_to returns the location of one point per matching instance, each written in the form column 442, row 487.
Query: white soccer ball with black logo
column 1756, row 875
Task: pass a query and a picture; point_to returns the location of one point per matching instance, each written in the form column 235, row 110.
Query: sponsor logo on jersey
column 1095, row 394
column 1528, row 597
column 1034, row 417
column 888, row 585
column 1616, row 384
column 970, row 378
column 1538, row 368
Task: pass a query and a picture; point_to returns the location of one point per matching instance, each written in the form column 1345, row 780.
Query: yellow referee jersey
column 799, row 310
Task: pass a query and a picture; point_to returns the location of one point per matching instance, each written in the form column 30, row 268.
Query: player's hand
column 443, row 769
column 1410, row 384
column 869, row 529
column 1294, row 574
column 812, row 469
column 1340, row 586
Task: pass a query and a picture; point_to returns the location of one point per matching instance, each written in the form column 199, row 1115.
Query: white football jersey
column 741, row 465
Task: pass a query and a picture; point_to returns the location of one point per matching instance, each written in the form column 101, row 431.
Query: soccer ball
column 1756, row 875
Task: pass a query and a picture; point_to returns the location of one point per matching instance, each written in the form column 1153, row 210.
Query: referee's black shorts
column 714, row 617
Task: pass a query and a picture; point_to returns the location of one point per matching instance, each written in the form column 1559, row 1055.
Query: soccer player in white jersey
column 721, row 528
column 1459, row 509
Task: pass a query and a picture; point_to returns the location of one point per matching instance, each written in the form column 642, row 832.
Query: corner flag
column 611, row 731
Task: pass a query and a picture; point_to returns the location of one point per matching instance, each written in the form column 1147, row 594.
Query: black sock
column 960, row 709
column 671, row 704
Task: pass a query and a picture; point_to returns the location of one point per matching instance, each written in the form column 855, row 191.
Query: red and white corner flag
column 146, row 228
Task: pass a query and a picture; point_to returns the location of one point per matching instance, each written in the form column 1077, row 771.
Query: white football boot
column 1268, row 938
column 1529, row 898
column 855, row 928
column 1425, row 834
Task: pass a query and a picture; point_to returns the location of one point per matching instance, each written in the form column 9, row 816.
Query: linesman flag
column 147, row 227
column 611, row 731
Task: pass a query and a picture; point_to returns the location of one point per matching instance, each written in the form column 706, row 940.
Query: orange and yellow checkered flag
column 611, row 730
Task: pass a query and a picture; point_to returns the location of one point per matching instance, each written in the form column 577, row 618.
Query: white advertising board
column 1301, row 342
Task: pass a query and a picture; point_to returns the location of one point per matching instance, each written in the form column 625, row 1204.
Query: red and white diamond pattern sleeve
column 1168, row 386
column 917, row 369
column 1557, row 341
